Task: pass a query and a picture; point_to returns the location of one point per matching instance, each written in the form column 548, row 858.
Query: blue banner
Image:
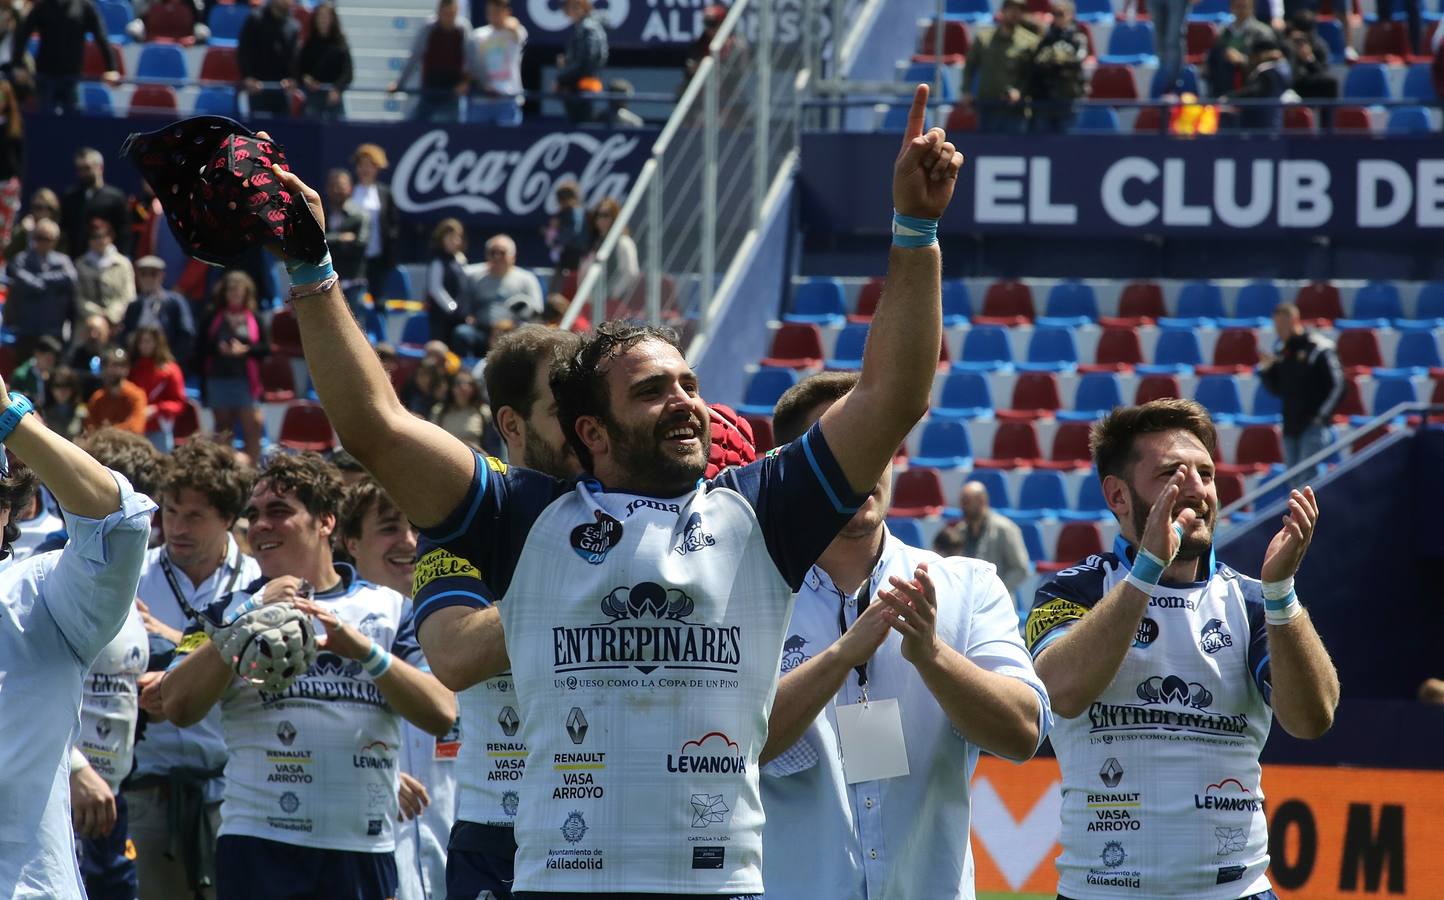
column 485, row 176
column 1087, row 187
column 650, row 23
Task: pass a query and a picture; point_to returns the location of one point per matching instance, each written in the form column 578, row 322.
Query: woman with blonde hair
column 374, row 198
column 234, row 344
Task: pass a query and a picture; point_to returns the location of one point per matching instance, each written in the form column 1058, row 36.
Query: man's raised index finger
column 918, row 115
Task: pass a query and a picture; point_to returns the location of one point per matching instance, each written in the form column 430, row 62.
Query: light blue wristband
column 377, row 661
column 911, row 232
column 309, row 273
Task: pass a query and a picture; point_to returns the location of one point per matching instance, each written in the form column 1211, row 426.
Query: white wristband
column 1281, row 604
column 77, row 760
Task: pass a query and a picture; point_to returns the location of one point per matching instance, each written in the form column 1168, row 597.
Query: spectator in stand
column 1227, row 63
column 428, row 385
column 12, row 159
column 447, row 304
column 382, row 218
column 42, row 290
column 118, row 401
column 464, row 414
column 154, row 370
column 233, row 346
column 32, row 377
column 44, row 204
column 62, row 26
column 618, row 115
column 1170, row 38
column 1269, row 78
column 505, row 294
column 266, row 53
column 624, row 271
column 90, row 198
column 63, row 409
column 9, row 23
column 1303, row 371
column 158, row 307
column 181, row 21
column 348, row 231
column 1057, row 71
column 566, row 234
column 105, row 277
column 500, row 43
column 1385, row 9
column 324, row 65
column 88, row 344
column 988, row 535
column 1309, row 59
column 449, row 62
column 1001, row 61
column 580, row 68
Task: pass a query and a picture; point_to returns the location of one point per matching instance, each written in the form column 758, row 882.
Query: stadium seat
column 1299, row 118
column 796, row 346
column 909, row 532
column 1070, row 446
column 1033, row 541
column 1418, row 350
column 917, row 492
column 820, row 301
column 1378, row 300
column 220, row 65
column 1259, row 446
column 1385, row 42
column 957, row 304
column 764, row 389
column 1185, row 83
column 1095, row 11
column 95, row 99
column 965, row 395
column 1429, row 306
column 1150, row 120
column 1014, row 444
column 1051, row 348
column 116, row 14
column 867, row 299
column 1156, row 387
column 1351, row 403
column 154, row 100
column 1071, row 300
column 278, row 380
column 1076, row 541
column 1230, row 487
column 1199, row 303
column 305, row 427
column 1409, row 120
column 286, row 334
column 1352, row 119
column 1091, row 504
column 762, row 437
column 1391, row 390
column 977, row 12
column 943, row 445
column 93, row 63
column 1366, row 81
column 1200, row 39
column 1256, row 301
column 1119, row 348
column 1113, row 83
column 962, row 118
column 161, row 63
column 1130, row 44
column 1319, row 300
column 188, row 422
column 214, row 100
column 955, row 43
column 1267, row 409
column 1141, row 300
column 1043, row 493
column 1034, row 394
column 1236, row 348
column 995, row 481
column 1332, row 32
column 985, row 348
column 170, row 22
column 847, row 351
column 1419, row 85
column 1359, row 349
column 1094, row 119
column 917, row 73
column 1008, row 302
column 226, row 21
column 1176, row 348
column 398, row 286
column 1220, row 395
column 1098, row 392
column 416, row 331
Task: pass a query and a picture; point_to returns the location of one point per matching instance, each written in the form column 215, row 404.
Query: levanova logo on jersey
column 713, row 753
column 1229, row 795
column 594, row 540
column 375, row 755
column 646, row 629
column 1158, row 693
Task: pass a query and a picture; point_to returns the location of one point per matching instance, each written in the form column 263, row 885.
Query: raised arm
column 423, row 467
column 865, row 428
column 82, row 486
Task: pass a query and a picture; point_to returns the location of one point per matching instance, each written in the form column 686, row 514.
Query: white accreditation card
column 872, row 741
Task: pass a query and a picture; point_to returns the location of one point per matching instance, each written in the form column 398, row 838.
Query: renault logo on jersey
column 508, row 721
column 592, row 541
column 1111, row 773
column 286, row 733
column 647, row 627
column 576, row 725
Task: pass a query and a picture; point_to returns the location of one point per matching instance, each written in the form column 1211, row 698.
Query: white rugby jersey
column 421, row 843
column 645, row 636
column 492, row 756
column 316, row 765
column 1161, row 775
column 109, row 702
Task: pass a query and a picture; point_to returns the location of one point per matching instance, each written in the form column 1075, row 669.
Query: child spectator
column 118, row 401
column 62, row 410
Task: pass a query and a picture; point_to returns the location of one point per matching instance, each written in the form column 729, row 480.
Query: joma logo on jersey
column 647, row 628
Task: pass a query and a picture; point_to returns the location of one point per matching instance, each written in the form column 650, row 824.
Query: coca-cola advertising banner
column 485, row 176
column 648, row 23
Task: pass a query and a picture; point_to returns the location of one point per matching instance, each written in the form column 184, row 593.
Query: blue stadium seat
column 1418, row 350
column 1332, row 32
column 163, row 63
column 1187, row 83
column 1095, row 11
column 1051, row 349
column 965, row 395
column 1220, row 395
column 95, row 99
column 820, row 300
column 847, row 352
column 1210, row 11
column 943, row 445
column 1267, row 409
column 1409, row 120
column 216, row 101
column 1429, row 308
column 979, row 12
column 1274, row 494
column 116, row 14
column 1377, row 300
column 1130, row 44
column 1391, row 391
column 1043, row 493
column 1098, row 392
column 1256, row 302
column 763, row 391
column 1419, row 85
column 1095, row 119
column 1366, row 81
column 225, row 22
column 995, row 481
column 417, row 330
column 924, row 73
column 896, row 117
column 908, row 531
column 957, row 304
column 1177, row 348
column 1199, row 303
column 1033, row 541
column 1091, row 504
column 397, row 286
column 1072, row 301
column 986, row 348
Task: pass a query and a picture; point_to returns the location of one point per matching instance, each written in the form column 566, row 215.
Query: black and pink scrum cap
column 214, row 180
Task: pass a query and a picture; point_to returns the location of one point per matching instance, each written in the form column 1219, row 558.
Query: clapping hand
column 1286, row 551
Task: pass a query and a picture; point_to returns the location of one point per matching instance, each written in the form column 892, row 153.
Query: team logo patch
column 693, row 537
column 1213, row 637
column 1050, row 615
column 440, row 563
column 792, row 655
column 708, row 809
column 509, row 802
column 1147, row 633
column 508, row 721
column 594, row 540
column 647, row 599
column 1172, row 689
column 576, row 725
column 1231, row 839
column 290, row 802
column 286, row 733
column 574, row 828
column 1111, row 773
column 1113, row 855
column 102, row 728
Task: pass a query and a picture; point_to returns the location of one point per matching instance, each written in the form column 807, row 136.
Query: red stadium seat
column 1112, row 82
column 1007, row 303
column 962, row 118
column 1087, row 33
column 1141, row 300
column 278, row 380
column 1157, row 387
column 93, row 65
column 305, row 427
column 1299, row 118
column 188, row 422
column 1359, row 350
column 154, row 100
column 1319, row 300
column 955, row 44
column 285, row 333
column 401, row 375
column 1236, row 350
column 220, row 64
column 1351, row 403
column 917, row 492
column 1230, row 487
column 1014, row 444
column 1119, row 348
column 1259, row 446
column 1352, row 118
column 1076, row 542
column 1070, row 446
column 762, row 437
column 1035, row 394
column 1201, row 38
column 1385, row 42
column 867, row 299
column 1370, row 437
column 796, row 345
column 1150, row 120
column 170, row 22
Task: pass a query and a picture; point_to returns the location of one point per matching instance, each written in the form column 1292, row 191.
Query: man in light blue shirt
column 60, row 610
column 940, row 638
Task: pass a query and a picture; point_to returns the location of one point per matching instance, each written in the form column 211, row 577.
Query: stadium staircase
column 380, row 33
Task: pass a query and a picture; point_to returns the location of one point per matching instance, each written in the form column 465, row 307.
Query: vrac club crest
column 594, row 540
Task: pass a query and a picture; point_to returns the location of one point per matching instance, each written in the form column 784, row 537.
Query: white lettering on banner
column 1176, row 211
column 997, row 198
column 1429, row 204
column 472, row 181
column 1304, row 200
column 550, row 16
column 1018, row 848
column 1115, row 181
column 1225, row 193
column 1374, row 210
column 1041, row 208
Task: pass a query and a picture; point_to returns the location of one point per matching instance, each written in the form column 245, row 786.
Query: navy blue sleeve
column 1060, row 602
column 1258, row 642
column 405, row 646
column 802, row 500
column 468, row 559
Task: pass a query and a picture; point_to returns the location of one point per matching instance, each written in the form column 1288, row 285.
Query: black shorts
column 479, row 859
column 251, row 867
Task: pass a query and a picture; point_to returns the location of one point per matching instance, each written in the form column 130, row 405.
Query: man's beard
column 1191, row 547
column 549, row 460
column 640, row 455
